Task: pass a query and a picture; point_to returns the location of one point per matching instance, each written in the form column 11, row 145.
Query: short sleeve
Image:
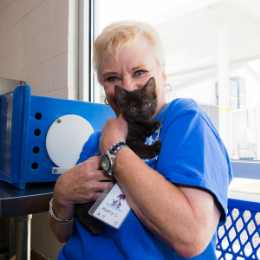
column 192, row 154
column 90, row 148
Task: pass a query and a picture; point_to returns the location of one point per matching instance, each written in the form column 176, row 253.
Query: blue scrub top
column 193, row 154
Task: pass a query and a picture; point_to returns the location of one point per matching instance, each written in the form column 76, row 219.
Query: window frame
column 86, row 35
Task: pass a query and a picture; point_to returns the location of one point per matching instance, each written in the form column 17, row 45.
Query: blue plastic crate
column 24, row 123
column 239, row 238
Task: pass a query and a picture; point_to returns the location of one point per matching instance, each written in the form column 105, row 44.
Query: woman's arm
column 185, row 218
column 81, row 184
column 62, row 231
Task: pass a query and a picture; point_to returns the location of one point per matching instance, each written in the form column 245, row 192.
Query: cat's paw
column 158, row 144
column 157, row 147
column 156, row 125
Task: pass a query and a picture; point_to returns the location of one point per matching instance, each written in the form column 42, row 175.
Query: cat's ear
column 150, row 86
column 120, row 94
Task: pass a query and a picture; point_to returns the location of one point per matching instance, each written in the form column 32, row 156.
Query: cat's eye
column 148, row 105
column 133, row 109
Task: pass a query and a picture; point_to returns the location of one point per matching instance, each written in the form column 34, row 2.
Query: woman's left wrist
column 109, row 157
column 110, row 145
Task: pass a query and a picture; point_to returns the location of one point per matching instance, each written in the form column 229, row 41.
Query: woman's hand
column 115, row 130
column 81, row 184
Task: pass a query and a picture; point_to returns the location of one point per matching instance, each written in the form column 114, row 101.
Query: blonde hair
column 120, row 36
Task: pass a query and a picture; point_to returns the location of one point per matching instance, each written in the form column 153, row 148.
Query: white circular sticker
column 65, row 139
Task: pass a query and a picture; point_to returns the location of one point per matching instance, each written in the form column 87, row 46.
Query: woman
column 177, row 199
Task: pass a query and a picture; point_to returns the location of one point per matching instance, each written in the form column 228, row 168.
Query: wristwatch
column 107, row 159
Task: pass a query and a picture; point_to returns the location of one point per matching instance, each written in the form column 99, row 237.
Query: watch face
column 105, row 163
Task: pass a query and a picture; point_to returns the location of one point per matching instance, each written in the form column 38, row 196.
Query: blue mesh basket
column 239, row 238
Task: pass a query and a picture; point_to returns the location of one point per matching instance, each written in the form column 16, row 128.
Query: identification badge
column 111, row 207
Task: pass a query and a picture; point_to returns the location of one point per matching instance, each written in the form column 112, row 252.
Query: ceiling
column 190, row 33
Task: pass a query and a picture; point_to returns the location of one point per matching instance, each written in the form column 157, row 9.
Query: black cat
column 137, row 107
column 93, row 224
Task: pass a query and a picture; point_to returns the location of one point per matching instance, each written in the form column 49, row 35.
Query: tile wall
column 38, row 45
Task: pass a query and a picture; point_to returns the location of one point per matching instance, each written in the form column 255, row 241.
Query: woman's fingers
column 98, row 190
column 90, row 190
column 96, row 170
column 82, row 183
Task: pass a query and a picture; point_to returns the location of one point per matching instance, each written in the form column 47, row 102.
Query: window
column 211, row 51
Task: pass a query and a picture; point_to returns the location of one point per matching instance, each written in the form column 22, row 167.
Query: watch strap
column 116, row 147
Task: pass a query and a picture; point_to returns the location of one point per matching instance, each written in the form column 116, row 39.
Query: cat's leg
column 94, row 225
column 152, row 127
column 145, row 151
column 157, row 145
